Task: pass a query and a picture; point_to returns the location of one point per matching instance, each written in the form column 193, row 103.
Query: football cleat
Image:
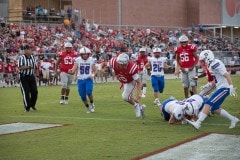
column 61, row 101
column 143, row 95
column 157, row 103
column 137, row 110
column 88, row 110
column 234, row 122
column 34, row 108
column 65, row 101
column 142, row 110
column 92, row 107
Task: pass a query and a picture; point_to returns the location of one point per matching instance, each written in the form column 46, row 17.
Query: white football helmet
column 189, row 109
column 68, row 45
column 157, row 50
column 207, row 56
column 178, row 113
column 84, row 50
column 123, row 58
column 183, row 38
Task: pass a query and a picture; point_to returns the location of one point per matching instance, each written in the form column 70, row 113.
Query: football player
column 86, row 71
column 66, row 62
column 186, row 58
column 157, row 65
column 126, row 72
column 224, row 87
column 141, row 61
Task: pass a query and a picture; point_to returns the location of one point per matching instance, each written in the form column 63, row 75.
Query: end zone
column 23, row 127
column 205, row 147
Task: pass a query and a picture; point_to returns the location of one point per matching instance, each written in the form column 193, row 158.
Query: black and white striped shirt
column 27, row 61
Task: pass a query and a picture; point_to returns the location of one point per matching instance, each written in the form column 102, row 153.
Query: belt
column 158, row 75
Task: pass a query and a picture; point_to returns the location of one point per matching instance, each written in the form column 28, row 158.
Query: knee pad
column 64, row 85
column 125, row 98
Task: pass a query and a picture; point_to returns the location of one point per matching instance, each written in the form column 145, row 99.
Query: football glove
column 233, row 91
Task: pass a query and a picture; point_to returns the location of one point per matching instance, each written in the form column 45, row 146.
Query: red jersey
column 186, row 57
column 1, row 67
column 14, row 68
column 53, row 64
column 124, row 76
column 8, row 68
column 141, row 61
column 67, row 60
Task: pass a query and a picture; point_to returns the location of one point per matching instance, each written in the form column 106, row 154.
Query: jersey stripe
column 132, row 70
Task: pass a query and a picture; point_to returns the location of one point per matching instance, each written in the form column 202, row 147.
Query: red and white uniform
column 141, row 61
column 53, row 65
column 9, row 69
column 187, row 60
column 124, row 76
column 67, row 60
column 186, row 57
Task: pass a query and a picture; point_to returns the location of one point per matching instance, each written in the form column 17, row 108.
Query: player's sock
column 224, row 113
column 202, row 117
column 144, row 90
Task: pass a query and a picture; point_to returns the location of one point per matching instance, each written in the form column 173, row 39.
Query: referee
column 28, row 72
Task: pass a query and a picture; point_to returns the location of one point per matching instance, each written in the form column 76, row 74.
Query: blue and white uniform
column 172, row 106
column 196, row 101
column 217, row 70
column 85, row 82
column 157, row 73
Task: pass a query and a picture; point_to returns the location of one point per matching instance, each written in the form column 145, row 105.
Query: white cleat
column 61, row 101
column 194, row 124
column 234, row 122
column 143, row 95
column 137, row 110
column 92, row 107
column 88, row 110
column 65, row 101
column 142, row 110
column 157, row 103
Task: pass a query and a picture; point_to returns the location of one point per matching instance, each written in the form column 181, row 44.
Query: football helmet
column 84, row 50
column 68, row 45
column 189, row 109
column 123, row 58
column 207, row 56
column 183, row 38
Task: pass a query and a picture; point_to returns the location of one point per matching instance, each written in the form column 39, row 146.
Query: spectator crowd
column 46, row 41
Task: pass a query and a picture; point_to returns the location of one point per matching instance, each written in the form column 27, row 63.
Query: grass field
column 112, row 132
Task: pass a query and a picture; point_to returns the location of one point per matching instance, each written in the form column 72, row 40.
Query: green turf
column 112, row 132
